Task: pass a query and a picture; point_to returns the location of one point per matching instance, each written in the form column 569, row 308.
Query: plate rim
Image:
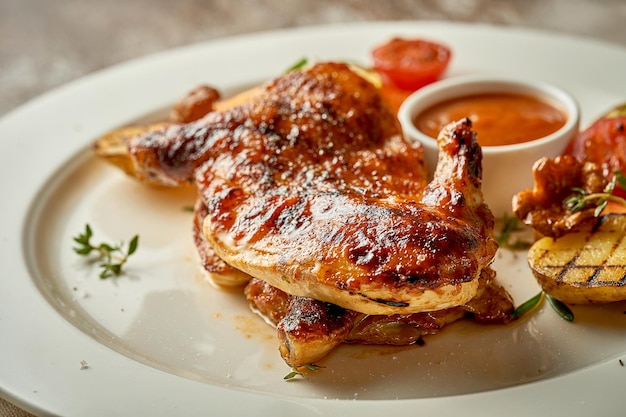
column 38, row 402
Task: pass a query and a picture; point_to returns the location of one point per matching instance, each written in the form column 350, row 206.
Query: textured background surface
column 46, row 43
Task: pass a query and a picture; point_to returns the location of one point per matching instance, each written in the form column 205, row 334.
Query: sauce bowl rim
column 465, row 85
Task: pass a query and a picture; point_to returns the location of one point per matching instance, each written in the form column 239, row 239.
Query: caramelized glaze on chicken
column 373, row 252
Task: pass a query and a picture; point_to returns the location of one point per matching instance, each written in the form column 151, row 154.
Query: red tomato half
column 411, row 63
column 604, row 142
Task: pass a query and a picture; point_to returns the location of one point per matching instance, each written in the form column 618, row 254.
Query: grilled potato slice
column 584, row 267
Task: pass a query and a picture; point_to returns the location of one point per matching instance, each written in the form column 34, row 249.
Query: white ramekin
column 507, row 169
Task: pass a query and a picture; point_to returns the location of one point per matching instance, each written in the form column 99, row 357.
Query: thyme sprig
column 561, row 308
column 113, row 257
column 298, row 371
column 581, row 199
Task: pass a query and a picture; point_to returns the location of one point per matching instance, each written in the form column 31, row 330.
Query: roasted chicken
column 374, row 252
column 309, row 186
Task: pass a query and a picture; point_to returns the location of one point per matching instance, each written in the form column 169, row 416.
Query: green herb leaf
column 621, row 179
column 580, row 199
column 112, row 256
column 132, row 246
column 601, row 206
column 83, row 239
column 105, row 247
column 610, row 187
column 528, row 305
column 298, row 65
column 296, row 371
column 560, row 307
column 84, row 250
column 109, row 270
column 312, row 367
column 291, row 375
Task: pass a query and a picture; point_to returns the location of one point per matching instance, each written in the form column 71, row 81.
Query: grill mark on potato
column 595, row 274
column 567, row 266
column 583, row 267
column 592, row 279
column 604, row 264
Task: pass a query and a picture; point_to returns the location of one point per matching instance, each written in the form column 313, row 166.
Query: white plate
column 160, row 340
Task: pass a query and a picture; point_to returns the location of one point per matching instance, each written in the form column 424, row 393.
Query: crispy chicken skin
column 311, row 187
column 542, row 206
column 323, row 128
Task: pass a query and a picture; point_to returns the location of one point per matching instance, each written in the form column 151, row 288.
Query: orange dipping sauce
column 497, row 118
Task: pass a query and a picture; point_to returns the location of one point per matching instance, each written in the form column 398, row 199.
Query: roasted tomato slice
column 411, row 63
column 604, row 142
